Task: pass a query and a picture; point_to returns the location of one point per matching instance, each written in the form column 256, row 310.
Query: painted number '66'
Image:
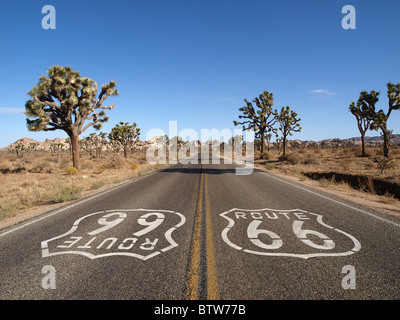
column 120, row 216
column 253, row 232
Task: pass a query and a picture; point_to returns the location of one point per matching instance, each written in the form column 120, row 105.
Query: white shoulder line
column 333, row 200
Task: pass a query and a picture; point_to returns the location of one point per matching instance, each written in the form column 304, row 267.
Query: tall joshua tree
column 380, row 118
column 288, row 123
column 64, row 100
column 261, row 119
column 125, row 134
column 362, row 111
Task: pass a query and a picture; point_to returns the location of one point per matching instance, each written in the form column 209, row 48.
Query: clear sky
column 195, row 61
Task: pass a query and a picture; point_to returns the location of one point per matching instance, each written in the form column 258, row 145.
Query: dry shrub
column 63, row 193
column 346, row 164
column 43, row 167
column 86, row 165
column 97, row 184
column 269, row 166
column 7, row 209
column 5, row 167
column 116, row 163
column 292, row 159
column 311, row 160
column 389, row 198
column 20, row 166
column 325, row 182
column 134, row 165
column 265, row 155
column 383, row 164
column 64, row 164
column 367, row 185
column 71, row 171
column 142, row 157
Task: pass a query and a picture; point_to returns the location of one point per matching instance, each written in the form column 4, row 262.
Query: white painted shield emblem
column 139, row 233
column 288, row 233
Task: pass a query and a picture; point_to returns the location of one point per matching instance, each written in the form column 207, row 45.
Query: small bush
column 367, row 185
column 269, row 166
column 86, row 165
column 5, row 167
column 71, row 171
column 7, row 210
column 43, row 167
column 325, row 183
column 97, row 184
column 134, row 165
column 292, row 159
column 311, row 160
column 265, row 156
column 63, row 193
column 346, row 163
column 116, row 163
column 383, row 163
column 64, row 164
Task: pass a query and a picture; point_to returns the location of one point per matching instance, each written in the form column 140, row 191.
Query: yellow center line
column 194, row 271
column 212, row 284
column 193, row 283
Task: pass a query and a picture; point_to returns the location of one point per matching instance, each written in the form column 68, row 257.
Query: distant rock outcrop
column 62, row 143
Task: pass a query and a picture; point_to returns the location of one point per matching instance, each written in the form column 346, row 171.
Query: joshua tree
column 175, row 143
column 97, row 141
column 125, row 134
column 379, row 119
column 288, row 123
column 361, row 111
column 64, row 100
column 18, row 148
column 262, row 119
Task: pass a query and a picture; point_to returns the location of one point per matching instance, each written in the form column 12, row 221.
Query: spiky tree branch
column 379, row 118
column 261, row 119
column 125, row 134
column 288, row 124
column 363, row 111
column 64, row 100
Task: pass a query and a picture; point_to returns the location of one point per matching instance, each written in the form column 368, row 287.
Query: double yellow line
column 194, row 271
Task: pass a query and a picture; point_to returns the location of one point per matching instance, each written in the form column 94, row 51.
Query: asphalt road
column 200, row 231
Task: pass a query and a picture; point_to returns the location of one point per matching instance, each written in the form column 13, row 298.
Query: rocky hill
column 62, row 143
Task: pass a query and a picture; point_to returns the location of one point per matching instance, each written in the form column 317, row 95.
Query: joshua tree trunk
column 362, row 144
column 262, row 133
column 126, row 150
column 386, row 141
column 75, row 152
column 284, row 146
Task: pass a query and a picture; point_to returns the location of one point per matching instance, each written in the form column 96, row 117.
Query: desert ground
column 343, row 172
column 39, row 181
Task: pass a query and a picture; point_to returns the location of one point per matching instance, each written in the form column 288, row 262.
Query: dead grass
column 300, row 162
column 344, row 160
column 41, row 179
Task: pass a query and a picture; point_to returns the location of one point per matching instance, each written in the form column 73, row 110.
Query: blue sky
column 195, row 61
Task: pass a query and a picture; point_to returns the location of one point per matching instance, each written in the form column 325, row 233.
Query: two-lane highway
column 199, row 231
